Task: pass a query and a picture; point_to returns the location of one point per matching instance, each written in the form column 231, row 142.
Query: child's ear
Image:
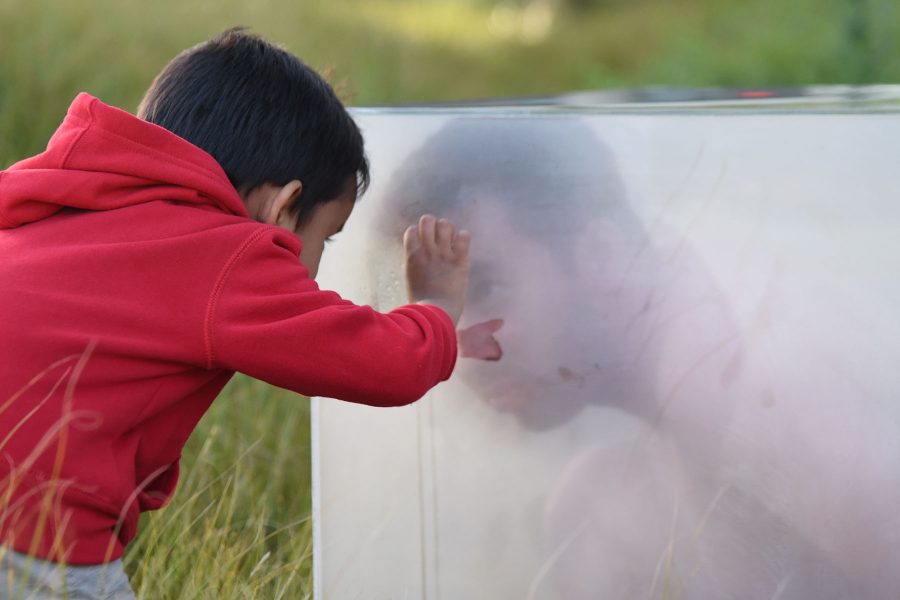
column 282, row 200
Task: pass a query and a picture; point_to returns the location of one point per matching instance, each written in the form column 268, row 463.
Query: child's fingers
column 494, row 325
column 478, row 341
column 427, row 226
column 411, row 241
column 461, row 242
column 444, row 237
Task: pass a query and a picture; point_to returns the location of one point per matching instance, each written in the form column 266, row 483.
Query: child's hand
column 478, row 341
column 437, row 264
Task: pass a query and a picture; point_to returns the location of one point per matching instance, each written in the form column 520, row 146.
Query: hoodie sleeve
column 268, row 319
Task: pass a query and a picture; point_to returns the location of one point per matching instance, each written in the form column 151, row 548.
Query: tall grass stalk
column 239, row 525
column 397, row 51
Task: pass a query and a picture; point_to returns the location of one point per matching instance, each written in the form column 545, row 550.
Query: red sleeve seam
column 217, row 292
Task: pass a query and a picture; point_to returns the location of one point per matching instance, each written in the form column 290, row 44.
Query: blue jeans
column 25, row 578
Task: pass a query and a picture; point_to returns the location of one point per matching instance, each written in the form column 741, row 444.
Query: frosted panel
column 699, row 394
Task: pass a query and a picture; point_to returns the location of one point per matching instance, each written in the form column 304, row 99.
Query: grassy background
column 238, row 527
column 400, row 51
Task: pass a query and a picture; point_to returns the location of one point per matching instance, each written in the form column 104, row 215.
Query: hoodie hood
column 103, row 158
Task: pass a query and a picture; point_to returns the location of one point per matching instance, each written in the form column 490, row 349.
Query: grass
column 402, row 51
column 239, row 524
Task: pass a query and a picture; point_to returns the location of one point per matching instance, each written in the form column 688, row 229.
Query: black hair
column 263, row 114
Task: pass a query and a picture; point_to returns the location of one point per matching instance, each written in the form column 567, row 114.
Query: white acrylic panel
column 699, row 395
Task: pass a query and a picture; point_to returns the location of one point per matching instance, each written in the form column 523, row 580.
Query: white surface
column 699, row 395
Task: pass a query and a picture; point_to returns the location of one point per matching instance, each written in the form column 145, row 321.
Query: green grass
column 239, row 524
column 402, row 51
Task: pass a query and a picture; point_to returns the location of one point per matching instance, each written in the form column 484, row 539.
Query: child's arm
column 267, row 319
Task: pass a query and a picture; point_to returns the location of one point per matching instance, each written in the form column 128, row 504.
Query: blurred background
column 239, row 526
column 381, row 52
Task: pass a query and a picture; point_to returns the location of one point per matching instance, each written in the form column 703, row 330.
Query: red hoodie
column 134, row 285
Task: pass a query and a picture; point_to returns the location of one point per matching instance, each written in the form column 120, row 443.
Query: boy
column 147, row 259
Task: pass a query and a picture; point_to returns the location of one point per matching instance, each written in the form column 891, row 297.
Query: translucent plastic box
column 699, row 396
